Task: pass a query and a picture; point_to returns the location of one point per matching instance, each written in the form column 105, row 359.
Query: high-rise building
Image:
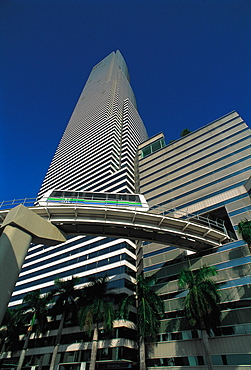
column 97, row 150
column 96, row 153
column 204, row 176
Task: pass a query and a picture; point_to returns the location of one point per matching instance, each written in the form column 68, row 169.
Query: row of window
column 197, row 178
column 220, row 266
column 103, row 175
column 123, row 188
column 160, row 251
column 105, row 185
column 75, row 175
column 62, row 247
column 84, row 267
column 235, row 359
column 41, row 247
column 239, row 211
column 69, row 273
column 114, row 354
column 153, row 147
column 224, row 247
column 176, row 361
column 124, row 353
column 80, row 337
column 232, row 245
column 118, row 353
column 124, row 178
column 195, row 146
column 180, row 335
column 217, row 332
column 59, row 256
column 198, row 189
column 80, row 195
column 230, row 187
column 223, row 306
column 242, row 281
column 222, row 203
column 195, row 162
column 78, row 259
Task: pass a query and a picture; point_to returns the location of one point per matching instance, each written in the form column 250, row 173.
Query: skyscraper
column 97, row 150
column 96, row 153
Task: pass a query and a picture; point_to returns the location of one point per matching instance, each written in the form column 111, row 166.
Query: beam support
column 14, row 244
column 19, row 229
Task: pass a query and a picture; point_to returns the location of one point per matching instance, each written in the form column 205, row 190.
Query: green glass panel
column 146, row 151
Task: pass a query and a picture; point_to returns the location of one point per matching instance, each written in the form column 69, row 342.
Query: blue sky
column 189, row 62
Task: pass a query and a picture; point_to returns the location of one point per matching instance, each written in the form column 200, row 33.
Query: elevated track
column 131, row 224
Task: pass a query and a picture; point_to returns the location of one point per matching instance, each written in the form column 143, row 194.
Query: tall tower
column 97, row 150
column 96, row 153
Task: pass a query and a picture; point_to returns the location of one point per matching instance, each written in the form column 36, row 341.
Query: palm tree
column 98, row 307
column 244, row 229
column 202, row 302
column 10, row 328
column 150, row 309
column 36, row 310
column 66, row 294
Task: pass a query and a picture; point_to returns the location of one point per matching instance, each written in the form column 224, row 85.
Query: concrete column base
column 14, row 244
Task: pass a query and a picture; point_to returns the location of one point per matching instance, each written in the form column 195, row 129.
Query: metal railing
column 153, row 208
column 218, row 224
column 7, row 204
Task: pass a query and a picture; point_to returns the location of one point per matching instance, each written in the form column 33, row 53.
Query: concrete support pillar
column 14, row 244
column 20, row 227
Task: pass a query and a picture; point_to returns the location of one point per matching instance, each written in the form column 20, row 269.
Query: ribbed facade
column 97, row 150
column 204, row 173
column 96, row 153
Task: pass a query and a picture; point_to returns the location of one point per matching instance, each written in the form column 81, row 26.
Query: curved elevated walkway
column 130, row 224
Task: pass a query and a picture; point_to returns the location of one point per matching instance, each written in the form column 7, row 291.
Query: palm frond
column 97, row 304
column 203, row 298
column 125, row 305
column 150, row 308
column 244, row 230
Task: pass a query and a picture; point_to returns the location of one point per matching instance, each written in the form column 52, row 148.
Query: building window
column 176, row 361
column 153, row 147
column 235, row 359
column 176, row 336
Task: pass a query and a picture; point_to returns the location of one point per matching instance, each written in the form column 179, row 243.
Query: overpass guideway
column 130, row 224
